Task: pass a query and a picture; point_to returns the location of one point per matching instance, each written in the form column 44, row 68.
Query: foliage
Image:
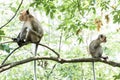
column 2, row 46
column 116, row 77
column 74, row 22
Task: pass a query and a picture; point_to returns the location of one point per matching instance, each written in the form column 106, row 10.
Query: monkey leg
column 105, row 58
column 9, row 55
column 32, row 37
column 34, row 33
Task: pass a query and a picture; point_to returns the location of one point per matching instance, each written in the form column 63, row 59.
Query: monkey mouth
column 105, row 41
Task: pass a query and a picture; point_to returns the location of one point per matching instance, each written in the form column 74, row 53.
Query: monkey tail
column 35, row 75
column 93, row 66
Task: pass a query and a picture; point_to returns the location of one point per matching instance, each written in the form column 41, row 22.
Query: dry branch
column 59, row 60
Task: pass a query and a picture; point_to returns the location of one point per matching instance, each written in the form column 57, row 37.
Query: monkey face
column 102, row 38
column 23, row 16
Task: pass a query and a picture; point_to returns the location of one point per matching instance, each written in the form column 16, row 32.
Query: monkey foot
column 105, row 58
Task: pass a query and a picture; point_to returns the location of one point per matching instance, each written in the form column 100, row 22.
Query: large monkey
column 31, row 32
column 95, row 49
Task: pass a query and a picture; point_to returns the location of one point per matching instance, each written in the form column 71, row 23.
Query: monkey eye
column 101, row 36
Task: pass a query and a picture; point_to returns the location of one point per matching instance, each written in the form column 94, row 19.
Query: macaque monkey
column 31, row 32
column 95, row 49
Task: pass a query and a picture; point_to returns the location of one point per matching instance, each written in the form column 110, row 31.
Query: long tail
column 35, row 75
column 93, row 66
column 9, row 55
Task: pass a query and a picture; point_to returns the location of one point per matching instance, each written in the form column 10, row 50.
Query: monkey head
column 102, row 38
column 24, row 15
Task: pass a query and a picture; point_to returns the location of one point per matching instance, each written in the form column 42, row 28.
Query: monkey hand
column 19, row 41
column 14, row 39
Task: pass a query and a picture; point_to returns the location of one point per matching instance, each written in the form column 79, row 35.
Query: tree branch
column 13, row 15
column 51, row 50
column 59, row 60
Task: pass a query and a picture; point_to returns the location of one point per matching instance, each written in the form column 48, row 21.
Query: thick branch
column 59, row 60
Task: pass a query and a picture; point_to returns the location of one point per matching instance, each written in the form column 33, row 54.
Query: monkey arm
column 22, row 34
column 36, row 26
column 93, row 45
column 96, row 45
column 35, row 33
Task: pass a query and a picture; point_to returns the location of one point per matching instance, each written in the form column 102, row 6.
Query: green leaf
column 47, row 11
column 2, row 32
column 80, row 39
column 62, row 9
column 116, row 16
column 5, row 47
column 51, row 15
column 116, row 77
column 13, row 9
column 59, row 17
column 32, row 4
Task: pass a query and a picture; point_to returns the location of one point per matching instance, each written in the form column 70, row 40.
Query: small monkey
column 31, row 32
column 95, row 49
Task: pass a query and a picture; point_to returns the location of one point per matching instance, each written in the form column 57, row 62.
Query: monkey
column 95, row 49
column 31, row 32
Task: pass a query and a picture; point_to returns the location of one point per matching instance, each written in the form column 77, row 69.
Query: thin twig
column 59, row 52
column 5, row 36
column 13, row 15
column 10, row 54
column 51, row 50
column 7, row 42
column 51, row 71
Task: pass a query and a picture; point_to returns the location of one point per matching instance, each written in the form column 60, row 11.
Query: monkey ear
column 27, row 11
